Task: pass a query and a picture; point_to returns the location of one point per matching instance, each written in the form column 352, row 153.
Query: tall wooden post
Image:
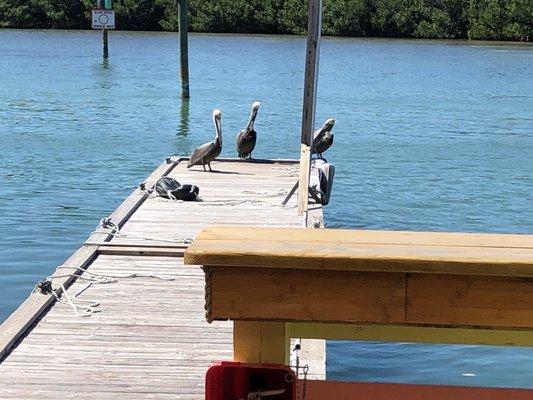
column 105, row 44
column 100, row 4
column 184, row 48
column 309, row 101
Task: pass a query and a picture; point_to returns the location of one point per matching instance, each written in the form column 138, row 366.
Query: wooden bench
column 279, row 283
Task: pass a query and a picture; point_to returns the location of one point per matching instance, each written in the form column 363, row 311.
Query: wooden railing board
column 331, row 249
column 413, row 333
column 385, row 237
column 293, row 295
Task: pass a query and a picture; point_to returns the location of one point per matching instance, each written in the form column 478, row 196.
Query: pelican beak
column 217, row 116
column 253, row 115
column 330, row 123
column 326, row 128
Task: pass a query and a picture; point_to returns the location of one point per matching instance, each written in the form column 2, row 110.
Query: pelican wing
column 246, row 142
column 317, row 137
column 200, row 153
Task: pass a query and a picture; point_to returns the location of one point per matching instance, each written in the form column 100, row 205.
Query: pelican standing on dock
column 248, row 136
column 323, row 137
column 207, row 152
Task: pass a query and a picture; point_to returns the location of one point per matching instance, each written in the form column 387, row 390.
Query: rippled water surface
column 429, row 136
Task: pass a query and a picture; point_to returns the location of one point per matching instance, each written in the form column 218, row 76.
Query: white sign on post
column 103, row 19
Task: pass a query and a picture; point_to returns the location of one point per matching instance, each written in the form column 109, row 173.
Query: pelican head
column 253, row 115
column 217, row 116
column 326, row 128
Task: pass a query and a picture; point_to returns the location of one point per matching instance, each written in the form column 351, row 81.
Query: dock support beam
column 309, row 100
column 261, row 342
column 184, row 47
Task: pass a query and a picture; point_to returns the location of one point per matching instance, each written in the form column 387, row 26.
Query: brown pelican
column 247, row 137
column 208, row 152
column 323, row 137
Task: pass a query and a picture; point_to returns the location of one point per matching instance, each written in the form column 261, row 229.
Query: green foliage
column 140, row 15
column 474, row 19
column 500, row 19
column 293, row 17
column 21, row 13
column 347, row 18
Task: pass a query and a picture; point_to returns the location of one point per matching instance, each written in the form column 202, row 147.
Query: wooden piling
column 184, row 48
column 105, row 41
column 309, row 100
column 105, row 44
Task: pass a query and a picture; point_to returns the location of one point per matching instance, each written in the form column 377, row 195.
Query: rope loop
column 84, row 308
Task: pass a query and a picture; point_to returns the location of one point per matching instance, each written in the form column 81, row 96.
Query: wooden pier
column 151, row 339
column 254, row 276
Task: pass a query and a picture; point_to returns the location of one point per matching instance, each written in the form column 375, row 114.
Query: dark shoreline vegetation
column 430, row 19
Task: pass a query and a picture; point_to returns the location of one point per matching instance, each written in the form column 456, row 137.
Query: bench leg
column 261, row 342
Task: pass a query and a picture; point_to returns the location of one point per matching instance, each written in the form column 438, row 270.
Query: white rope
column 280, row 192
column 85, row 308
column 171, row 196
column 234, row 203
column 287, row 172
column 82, row 308
column 93, row 277
column 110, row 228
column 230, row 203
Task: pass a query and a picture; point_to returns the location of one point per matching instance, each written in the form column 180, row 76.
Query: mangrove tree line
column 472, row 19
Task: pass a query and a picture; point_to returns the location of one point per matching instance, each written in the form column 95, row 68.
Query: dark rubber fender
column 168, row 185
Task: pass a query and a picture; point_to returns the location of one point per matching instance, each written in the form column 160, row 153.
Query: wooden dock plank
column 127, row 357
column 151, row 339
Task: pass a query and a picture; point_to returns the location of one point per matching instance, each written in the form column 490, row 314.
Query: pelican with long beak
column 207, row 152
column 323, row 137
column 248, row 136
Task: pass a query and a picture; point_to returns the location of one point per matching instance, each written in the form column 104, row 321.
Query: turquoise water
column 430, row 135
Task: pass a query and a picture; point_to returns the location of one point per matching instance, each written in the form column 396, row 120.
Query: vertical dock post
column 309, row 100
column 184, row 47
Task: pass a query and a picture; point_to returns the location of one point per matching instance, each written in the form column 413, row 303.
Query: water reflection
column 101, row 66
column 183, row 126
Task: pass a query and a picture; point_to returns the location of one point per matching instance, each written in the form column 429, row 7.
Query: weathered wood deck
column 150, row 340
